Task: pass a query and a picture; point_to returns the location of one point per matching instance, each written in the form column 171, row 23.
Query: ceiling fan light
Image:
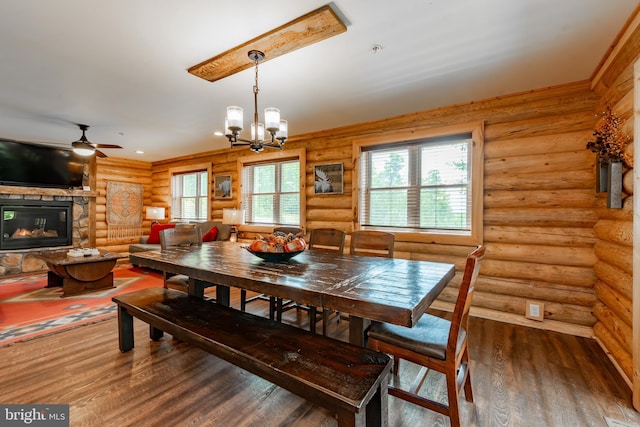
column 83, row 149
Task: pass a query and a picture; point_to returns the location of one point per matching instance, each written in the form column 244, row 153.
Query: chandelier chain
column 255, row 88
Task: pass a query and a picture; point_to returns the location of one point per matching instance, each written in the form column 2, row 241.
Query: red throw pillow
column 210, row 236
column 154, row 235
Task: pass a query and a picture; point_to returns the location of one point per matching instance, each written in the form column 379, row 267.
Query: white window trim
column 276, row 156
column 476, row 130
column 196, row 167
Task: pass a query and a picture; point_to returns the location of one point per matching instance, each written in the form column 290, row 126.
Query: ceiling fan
column 85, row 148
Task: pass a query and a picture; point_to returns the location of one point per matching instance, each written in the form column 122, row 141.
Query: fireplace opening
column 30, row 224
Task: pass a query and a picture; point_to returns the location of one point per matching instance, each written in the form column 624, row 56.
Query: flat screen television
column 36, row 165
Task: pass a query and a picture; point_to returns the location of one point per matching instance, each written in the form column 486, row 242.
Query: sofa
column 223, row 231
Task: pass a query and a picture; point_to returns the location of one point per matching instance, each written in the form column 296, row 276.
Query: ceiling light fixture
column 233, row 122
column 82, row 146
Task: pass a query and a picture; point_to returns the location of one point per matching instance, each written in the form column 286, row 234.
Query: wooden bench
column 349, row 380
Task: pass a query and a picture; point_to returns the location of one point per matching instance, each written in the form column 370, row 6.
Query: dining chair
column 372, row 243
column 185, row 235
column 435, row 343
column 276, row 305
column 325, row 240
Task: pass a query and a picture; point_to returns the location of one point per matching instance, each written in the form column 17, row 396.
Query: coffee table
column 83, row 274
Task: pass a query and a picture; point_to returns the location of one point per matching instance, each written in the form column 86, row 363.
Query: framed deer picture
column 328, row 179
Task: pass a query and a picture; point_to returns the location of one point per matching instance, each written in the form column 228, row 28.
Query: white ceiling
column 120, row 65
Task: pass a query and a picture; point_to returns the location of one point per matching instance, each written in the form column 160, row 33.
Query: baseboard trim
column 547, row 325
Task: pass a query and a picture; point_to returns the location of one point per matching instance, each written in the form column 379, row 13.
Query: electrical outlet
column 535, row 310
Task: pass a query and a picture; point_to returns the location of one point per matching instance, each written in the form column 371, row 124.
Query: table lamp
column 233, row 217
column 155, row 214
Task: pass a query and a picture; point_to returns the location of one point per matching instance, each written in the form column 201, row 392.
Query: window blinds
column 271, row 192
column 418, row 185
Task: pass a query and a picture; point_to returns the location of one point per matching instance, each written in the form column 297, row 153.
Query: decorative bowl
column 274, row 256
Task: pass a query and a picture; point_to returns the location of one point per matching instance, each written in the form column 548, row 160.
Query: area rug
column 28, row 309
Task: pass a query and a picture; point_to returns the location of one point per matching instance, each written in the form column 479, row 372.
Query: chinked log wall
column 614, row 229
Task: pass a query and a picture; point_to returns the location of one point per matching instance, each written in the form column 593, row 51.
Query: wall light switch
column 535, row 310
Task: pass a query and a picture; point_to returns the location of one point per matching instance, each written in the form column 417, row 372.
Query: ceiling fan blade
column 100, row 154
column 106, row 146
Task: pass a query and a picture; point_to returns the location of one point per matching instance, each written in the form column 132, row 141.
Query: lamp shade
column 233, row 216
column 155, row 213
column 283, row 132
column 260, row 131
column 234, row 118
column 272, row 119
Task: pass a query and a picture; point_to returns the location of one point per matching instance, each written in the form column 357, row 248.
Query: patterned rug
column 28, row 309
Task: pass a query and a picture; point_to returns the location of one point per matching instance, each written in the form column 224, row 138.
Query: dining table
column 367, row 288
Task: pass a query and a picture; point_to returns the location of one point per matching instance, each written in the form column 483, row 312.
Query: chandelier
column 233, row 123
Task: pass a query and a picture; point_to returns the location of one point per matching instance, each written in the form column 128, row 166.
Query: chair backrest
column 327, row 240
column 465, row 294
column 372, row 243
column 180, row 236
column 293, row 230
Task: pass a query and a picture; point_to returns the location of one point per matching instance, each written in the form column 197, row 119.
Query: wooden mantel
column 40, row 191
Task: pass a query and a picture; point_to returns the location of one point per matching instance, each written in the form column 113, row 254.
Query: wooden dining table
column 391, row 290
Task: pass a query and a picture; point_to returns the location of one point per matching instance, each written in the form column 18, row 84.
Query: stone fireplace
column 31, row 223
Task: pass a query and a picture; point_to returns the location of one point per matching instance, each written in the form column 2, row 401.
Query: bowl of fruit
column 277, row 246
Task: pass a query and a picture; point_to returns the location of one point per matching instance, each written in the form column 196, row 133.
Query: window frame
column 271, row 157
column 181, row 170
column 476, row 129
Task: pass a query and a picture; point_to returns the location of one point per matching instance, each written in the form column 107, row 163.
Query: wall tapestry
column 124, row 210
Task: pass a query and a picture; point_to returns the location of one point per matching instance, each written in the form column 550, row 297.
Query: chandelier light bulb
column 227, row 131
column 272, row 119
column 260, row 131
column 234, row 118
column 283, row 130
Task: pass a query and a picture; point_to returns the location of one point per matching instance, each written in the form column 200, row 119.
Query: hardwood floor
column 521, row 377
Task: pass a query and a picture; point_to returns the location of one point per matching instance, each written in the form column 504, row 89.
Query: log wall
column 613, row 83
column 549, row 236
column 120, row 170
column 539, row 199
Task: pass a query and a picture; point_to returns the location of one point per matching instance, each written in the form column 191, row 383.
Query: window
column 272, row 186
column 189, row 196
column 271, row 192
column 431, row 185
